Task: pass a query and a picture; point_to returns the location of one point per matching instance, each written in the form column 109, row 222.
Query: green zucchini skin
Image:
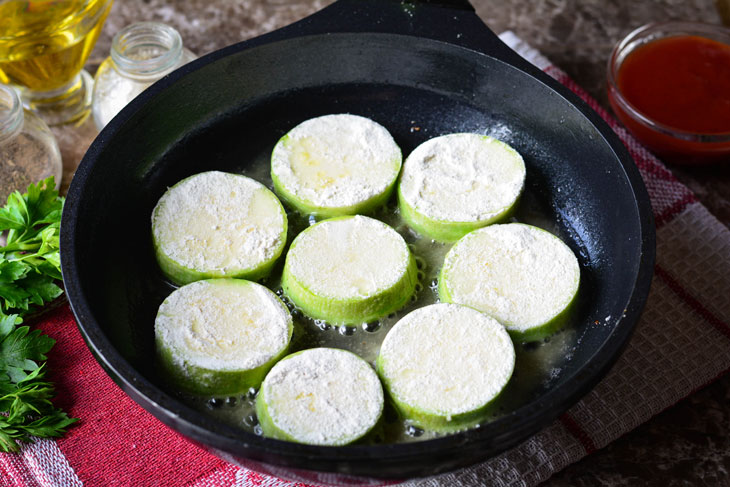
column 390, row 161
column 437, row 416
column 447, row 231
column 431, row 421
column 307, row 207
column 180, row 274
column 349, row 311
column 195, row 379
column 536, row 332
column 272, row 430
column 201, row 381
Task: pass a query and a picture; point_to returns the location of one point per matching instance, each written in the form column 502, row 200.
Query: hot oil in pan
column 538, row 364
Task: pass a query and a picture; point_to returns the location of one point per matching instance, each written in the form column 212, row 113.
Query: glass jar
column 141, row 54
column 28, row 150
column 43, row 48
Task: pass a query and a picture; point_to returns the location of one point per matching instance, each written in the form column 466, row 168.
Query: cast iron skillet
column 424, row 65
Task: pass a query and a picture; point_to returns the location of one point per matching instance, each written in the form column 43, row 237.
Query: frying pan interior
column 227, row 113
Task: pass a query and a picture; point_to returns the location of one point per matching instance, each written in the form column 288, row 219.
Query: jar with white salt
column 28, row 149
column 141, row 54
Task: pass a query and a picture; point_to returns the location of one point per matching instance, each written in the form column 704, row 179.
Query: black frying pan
column 431, row 65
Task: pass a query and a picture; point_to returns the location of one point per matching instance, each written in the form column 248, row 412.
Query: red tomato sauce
column 682, row 82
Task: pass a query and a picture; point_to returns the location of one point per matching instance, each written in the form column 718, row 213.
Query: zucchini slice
column 456, row 183
column 523, row 276
column 320, row 396
column 216, row 224
column 336, row 165
column 444, row 364
column 221, row 336
column 349, row 270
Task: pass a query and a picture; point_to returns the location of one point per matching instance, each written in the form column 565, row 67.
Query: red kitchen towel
column 681, row 344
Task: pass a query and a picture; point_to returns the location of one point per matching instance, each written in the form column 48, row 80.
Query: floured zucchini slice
column 523, row 276
column 444, row 364
column 335, row 165
column 349, row 270
column 216, row 224
column 456, row 183
column 221, row 336
column 320, row 396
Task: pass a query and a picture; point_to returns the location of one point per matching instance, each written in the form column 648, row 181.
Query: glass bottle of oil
column 43, row 47
column 141, row 54
column 28, row 150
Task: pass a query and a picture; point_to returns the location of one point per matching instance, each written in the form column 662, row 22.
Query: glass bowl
column 669, row 143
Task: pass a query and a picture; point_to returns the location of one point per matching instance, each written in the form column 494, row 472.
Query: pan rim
column 217, row 434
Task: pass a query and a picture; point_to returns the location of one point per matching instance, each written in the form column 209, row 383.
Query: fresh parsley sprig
column 30, row 273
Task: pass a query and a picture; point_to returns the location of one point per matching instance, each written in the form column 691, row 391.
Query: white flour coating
column 216, row 221
column 462, row 178
column 521, row 275
column 353, row 257
column 223, row 324
column 323, row 396
column 336, row 160
column 447, row 359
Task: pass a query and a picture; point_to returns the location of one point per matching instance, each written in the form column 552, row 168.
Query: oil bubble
column 346, row 330
column 251, row 420
column 215, row 403
column 372, row 326
column 414, row 431
column 322, row 325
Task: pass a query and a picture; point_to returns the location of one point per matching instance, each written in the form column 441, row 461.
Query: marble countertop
column 689, row 444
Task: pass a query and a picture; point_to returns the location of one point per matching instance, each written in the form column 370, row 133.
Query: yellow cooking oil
column 45, row 43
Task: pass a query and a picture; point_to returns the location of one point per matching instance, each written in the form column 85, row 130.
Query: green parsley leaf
column 20, row 349
column 14, row 296
column 10, row 217
column 41, row 288
column 29, row 411
column 12, row 270
column 7, row 324
column 30, row 274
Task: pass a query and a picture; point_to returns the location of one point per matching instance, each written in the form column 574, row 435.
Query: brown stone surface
column 689, row 444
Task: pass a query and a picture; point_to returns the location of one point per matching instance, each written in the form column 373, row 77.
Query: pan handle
column 452, row 21
column 455, row 4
